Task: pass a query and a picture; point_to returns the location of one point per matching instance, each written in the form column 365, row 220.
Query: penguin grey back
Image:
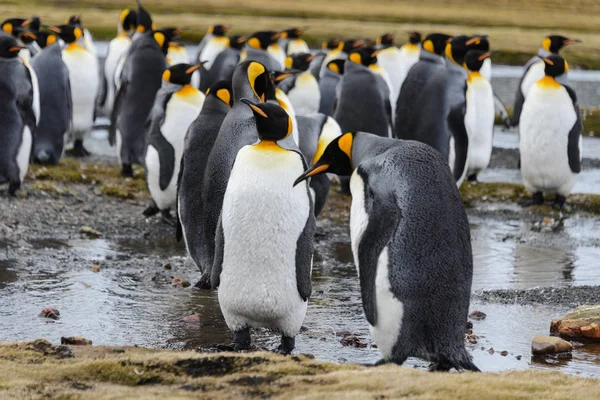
column 328, row 85
column 55, row 104
column 222, row 68
column 263, row 57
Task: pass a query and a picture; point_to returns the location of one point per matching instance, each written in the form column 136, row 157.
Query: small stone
column 192, row 319
column 353, row 341
column 179, row 282
column 542, row 345
column 471, row 338
column 50, row 312
column 583, row 323
column 519, row 357
column 168, row 266
column 491, row 350
column 504, row 353
column 343, row 333
column 477, row 315
column 95, row 268
column 75, row 341
column 91, row 232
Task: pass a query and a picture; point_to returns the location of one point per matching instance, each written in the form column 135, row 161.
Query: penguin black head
column 292, row 33
column 365, row 55
column 68, row 33
column 299, row 61
column 218, row 30
column 180, row 74
column 9, row 47
column 475, row 58
column 555, row 43
column 259, row 79
column 482, row 44
column 74, row 20
column 164, row 36
column 331, row 44
column 45, row 39
column 27, row 36
column 555, row 65
column 352, row 44
column 336, row 159
column 128, row 20
column 436, row 43
column 273, row 123
column 221, row 90
column 34, row 23
column 237, row 42
column 459, row 45
column 9, row 26
column 144, row 20
column 385, row 40
column 337, row 66
column 262, row 40
column 414, row 37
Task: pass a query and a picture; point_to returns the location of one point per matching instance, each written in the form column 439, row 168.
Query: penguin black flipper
column 119, row 96
column 500, row 109
column 103, row 92
column 519, row 98
column 166, row 151
column 456, row 125
column 384, row 217
column 574, row 135
column 217, row 267
column 305, row 247
column 26, row 107
column 178, row 226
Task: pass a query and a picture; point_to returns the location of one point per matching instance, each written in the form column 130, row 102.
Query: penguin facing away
column 144, row 23
column 534, row 71
column 199, row 141
column 264, row 280
column 84, row 79
column 328, row 86
column 410, row 53
column 550, row 136
column 16, row 113
column 176, row 106
column 56, row 107
column 410, row 241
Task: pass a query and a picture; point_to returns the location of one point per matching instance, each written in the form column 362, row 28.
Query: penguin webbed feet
column 536, row 200
column 78, row 150
column 559, row 202
column 382, row 361
column 287, row 345
column 13, row 187
column 151, row 210
column 127, row 171
column 168, row 218
column 204, row 282
column 472, row 178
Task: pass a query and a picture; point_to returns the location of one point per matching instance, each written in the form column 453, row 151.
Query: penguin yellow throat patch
column 411, row 47
column 548, row 82
column 268, row 145
column 74, row 47
column 187, row 91
column 474, row 76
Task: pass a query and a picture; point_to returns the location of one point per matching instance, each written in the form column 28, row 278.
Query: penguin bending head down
column 264, row 279
column 410, row 239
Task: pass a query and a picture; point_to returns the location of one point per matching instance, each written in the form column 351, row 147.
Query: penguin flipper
column 103, row 92
column 178, row 227
column 500, row 109
column 217, row 267
column 384, row 217
column 166, row 156
column 574, row 152
column 304, row 254
column 456, row 123
column 119, row 96
column 26, row 107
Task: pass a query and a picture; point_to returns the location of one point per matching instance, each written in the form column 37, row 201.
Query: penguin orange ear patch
column 345, row 144
column 355, row 58
column 428, row 45
column 224, row 95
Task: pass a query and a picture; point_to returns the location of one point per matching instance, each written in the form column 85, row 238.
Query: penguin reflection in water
column 264, row 241
column 411, row 246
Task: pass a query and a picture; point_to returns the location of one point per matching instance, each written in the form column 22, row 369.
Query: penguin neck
column 431, row 57
column 366, row 146
column 187, row 90
column 123, row 34
column 74, row 46
column 543, row 53
column 549, row 82
column 474, row 75
column 267, row 145
column 411, row 47
column 213, row 105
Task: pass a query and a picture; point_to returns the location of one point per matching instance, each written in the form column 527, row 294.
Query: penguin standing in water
column 88, row 40
column 176, row 106
column 408, row 124
column 199, row 141
column 140, row 80
column 328, row 86
column 84, row 79
column 17, row 114
column 56, row 107
column 534, row 71
column 294, row 44
column 251, row 80
column 116, row 49
column 303, row 91
column 257, row 50
column 265, row 237
column 479, row 114
column 411, row 245
column 224, row 64
column 550, row 136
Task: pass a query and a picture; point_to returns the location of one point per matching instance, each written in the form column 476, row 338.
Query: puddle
column 588, row 181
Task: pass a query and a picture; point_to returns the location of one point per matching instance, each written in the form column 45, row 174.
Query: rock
column 543, row 345
column 471, row 338
column 491, row 350
column 50, row 312
column 583, row 323
column 179, row 282
column 353, row 341
column 95, row 268
column 477, row 315
column 192, row 319
column 504, row 353
column 75, row 341
column 168, row 266
column 91, row 232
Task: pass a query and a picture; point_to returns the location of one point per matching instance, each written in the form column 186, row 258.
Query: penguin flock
column 241, row 140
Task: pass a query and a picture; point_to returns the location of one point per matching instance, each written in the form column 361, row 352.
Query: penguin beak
column 194, row 68
column 358, row 43
column 548, row 61
column 316, row 169
column 474, row 40
column 375, row 53
column 27, row 22
column 54, row 29
column 15, row 49
column 486, row 55
column 254, row 107
column 30, row 35
column 276, row 35
column 242, row 39
column 310, row 58
column 282, row 77
column 571, row 41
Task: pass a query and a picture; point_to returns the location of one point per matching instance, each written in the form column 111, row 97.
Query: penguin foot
column 376, row 363
column 168, row 218
column 204, row 282
column 536, row 200
column 559, row 202
column 127, row 170
column 287, row 345
column 472, row 178
column 242, row 339
column 13, row 187
column 440, row 366
column 78, row 149
column 151, row 210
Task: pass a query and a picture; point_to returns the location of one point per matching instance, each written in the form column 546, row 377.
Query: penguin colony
column 240, row 141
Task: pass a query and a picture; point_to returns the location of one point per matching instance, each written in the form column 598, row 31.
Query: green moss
column 497, row 191
column 116, row 191
column 591, row 121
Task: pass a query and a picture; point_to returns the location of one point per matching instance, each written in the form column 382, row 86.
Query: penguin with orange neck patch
column 294, row 43
column 84, row 79
column 550, row 136
column 257, row 49
column 86, row 37
column 176, row 106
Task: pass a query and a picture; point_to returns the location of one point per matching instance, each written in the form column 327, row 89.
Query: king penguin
column 176, row 106
column 86, row 37
column 550, row 136
column 199, row 141
column 257, row 50
column 276, row 51
column 45, row 39
column 140, row 80
column 390, row 59
column 534, row 71
column 265, row 236
column 303, row 91
column 294, row 43
column 328, row 86
column 224, row 63
column 17, row 114
column 479, row 114
column 116, row 49
column 144, row 23
column 340, row 52
column 299, row 61
column 213, row 43
column 84, row 79
column 251, row 80
column 410, row 238
column 56, row 107
column 410, row 53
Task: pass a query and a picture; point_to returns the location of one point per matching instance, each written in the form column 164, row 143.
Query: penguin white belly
column 24, row 152
column 389, row 309
column 177, row 55
column 263, row 216
column 305, row 96
column 486, row 69
column 152, row 161
column 296, row 46
column 83, row 74
column 409, row 55
column 36, row 93
column 118, row 144
column 278, row 55
column 391, row 61
column 116, row 49
column 547, row 118
column 212, row 49
column 118, row 71
column 479, row 122
column 533, row 75
column 88, row 42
